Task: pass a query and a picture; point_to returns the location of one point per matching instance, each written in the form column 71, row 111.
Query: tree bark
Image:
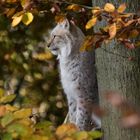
column 119, row 74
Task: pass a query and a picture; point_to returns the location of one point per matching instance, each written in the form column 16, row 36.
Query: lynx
column 77, row 73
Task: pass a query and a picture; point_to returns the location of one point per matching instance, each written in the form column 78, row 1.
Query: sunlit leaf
column 121, row 8
column 74, row 7
column 91, row 22
column 109, row 7
column 43, row 56
column 23, row 113
column 66, row 129
column 8, row 118
column 8, row 98
column 27, row 18
column 16, row 20
column 112, row 30
column 96, row 10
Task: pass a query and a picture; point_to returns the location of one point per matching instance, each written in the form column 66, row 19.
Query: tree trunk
column 117, row 73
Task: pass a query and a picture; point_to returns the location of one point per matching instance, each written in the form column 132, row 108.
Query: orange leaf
column 112, row 30
column 121, row 8
column 2, row 110
column 91, row 22
column 60, row 18
column 109, row 7
column 96, row 10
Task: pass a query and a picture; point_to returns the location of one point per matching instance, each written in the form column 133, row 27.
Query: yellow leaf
column 96, row 10
column 16, row 20
column 27, row 18
column 121, row 8
column 112, row 30
column 109, row 7
column 25, row 121
column 43, row 56
column 17, row 14
column 11, row 108
column 23, row 113
column 8, row 98
column 66, row 130
column 74, row 7
column 91, row 22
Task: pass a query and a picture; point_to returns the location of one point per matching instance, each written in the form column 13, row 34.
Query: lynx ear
column 65, row 24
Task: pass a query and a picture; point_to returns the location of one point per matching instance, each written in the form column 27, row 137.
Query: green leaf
column 8, row 98
column 20, row 129
column 7, row 136
column 27, row 18
column 1, row 92
column 95, row 134
column 7, row 119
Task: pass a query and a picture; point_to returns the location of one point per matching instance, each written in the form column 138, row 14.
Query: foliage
column 17, row 123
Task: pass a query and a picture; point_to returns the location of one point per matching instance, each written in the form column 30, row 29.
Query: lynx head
column 65, row 38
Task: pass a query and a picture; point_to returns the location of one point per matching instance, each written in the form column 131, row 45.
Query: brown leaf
column 121, row 8
column 60, row 18
column 109, row 7
column 112, row 30
column 131, row 121
column 114, row 98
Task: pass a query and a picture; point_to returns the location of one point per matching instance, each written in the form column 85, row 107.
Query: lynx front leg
column 72, row 110
column 85, row 119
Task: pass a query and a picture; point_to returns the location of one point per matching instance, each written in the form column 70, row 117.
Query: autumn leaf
column 121, row 8
column 66, row 129
column 8, row 98
column 43, row 56
column 2, row 110
column 60, row 18
column 96, row 10
column 91, row 22
column 10, row 12
column 27, row 18
column 88, row 42
column 8, row 118
column 112, row 30
column 16, row 20
column 23, row 113
column 109, row 7
column 74, row 7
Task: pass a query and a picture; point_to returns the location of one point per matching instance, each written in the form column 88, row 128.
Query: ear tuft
column 65, row 24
